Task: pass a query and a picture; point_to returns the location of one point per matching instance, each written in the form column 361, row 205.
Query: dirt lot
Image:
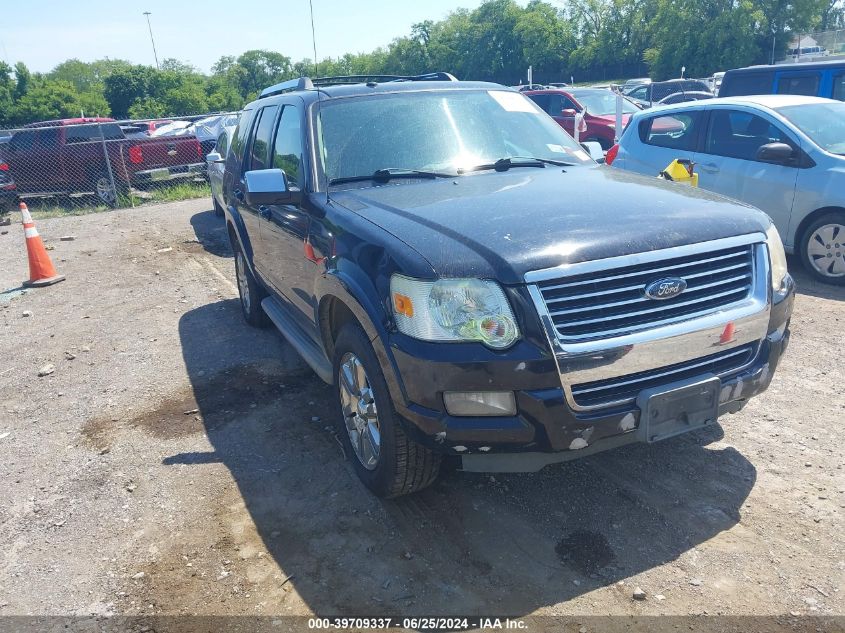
column 178, row 462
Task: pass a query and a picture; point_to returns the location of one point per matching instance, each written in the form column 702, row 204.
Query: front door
column 291, row 264
column 728, row 163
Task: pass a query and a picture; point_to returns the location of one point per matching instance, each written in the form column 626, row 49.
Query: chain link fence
column 74, row 165
column 816, row 46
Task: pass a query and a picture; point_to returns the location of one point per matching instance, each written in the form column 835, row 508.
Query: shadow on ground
column 806, row 284
column 211, row 233
column 470, row 543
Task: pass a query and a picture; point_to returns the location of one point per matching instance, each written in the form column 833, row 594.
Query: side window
column 738, row 134
column 678, row 130
column 81, row 134
column 260, row 154
column 48, row 138
column 639, row 93
column 23, row 141
column 222, row 141
column 740, row 84
column 287, row 149
column 242, row 133
column 543, row 101
column 807, row 85
column 839, row 87
column 567, row 104
column 555, row 104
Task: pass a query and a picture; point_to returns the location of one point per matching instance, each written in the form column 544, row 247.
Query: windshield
column 824, row 123
column 438, row 131
column 603, row 103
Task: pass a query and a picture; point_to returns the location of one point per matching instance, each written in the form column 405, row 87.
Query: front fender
column 357, row 292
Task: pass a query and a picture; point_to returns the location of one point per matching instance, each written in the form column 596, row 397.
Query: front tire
column 823, row 248
column 385, row 459
column 250, row 292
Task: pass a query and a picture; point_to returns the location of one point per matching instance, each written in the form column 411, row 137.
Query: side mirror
column 267, row 187
column 778, row 153
column 213, row 157
column 594, row 150
column 568, row 112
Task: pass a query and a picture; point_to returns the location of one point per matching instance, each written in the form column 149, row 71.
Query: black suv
column 475, row 286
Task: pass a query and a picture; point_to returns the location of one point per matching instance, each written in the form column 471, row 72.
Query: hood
column 502, row 225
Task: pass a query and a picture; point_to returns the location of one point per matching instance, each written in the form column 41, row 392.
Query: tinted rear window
column 805, row 84
column 839, row 87
column 738, row 84
column 678, row 130
column 85, row 133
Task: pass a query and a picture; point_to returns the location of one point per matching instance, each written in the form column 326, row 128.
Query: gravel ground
column 176, row 461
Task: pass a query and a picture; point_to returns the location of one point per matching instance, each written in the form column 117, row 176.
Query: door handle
column 238, row 194
column 710, row 168
column 264, row 212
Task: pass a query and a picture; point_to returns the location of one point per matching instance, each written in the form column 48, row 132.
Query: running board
column 301, row 342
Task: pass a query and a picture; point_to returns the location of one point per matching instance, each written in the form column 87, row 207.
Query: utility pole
column 152, row 39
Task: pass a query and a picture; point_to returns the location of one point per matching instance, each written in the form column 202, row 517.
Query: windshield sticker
column 558, row 149
column 512, row 101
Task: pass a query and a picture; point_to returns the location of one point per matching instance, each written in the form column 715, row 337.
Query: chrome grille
column 612, row 302
column 625, row 389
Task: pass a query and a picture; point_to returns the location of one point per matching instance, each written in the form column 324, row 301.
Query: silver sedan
column 784, row 154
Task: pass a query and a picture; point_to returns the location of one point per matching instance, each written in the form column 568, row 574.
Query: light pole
column 152, row 39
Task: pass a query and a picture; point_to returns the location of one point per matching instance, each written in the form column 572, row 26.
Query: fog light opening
column 484, row 403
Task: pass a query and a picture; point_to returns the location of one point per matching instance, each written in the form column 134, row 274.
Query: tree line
column 588, row 40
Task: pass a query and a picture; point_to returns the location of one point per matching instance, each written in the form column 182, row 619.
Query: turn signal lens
column 403, row 305
column 136, row 154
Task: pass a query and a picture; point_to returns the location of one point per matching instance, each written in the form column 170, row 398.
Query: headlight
column 453, row 310
column 777, row 257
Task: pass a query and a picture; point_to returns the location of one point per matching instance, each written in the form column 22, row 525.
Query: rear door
column 728, row 164
column 48, row 157
column 658, row 140
column 291, row 265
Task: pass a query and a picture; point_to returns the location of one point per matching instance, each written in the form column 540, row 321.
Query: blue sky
column 42, row 34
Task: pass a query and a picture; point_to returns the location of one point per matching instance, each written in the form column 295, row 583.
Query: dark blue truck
column 476, row 288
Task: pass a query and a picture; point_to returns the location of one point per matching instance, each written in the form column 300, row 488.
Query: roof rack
column 361, row 79
column 304, row 83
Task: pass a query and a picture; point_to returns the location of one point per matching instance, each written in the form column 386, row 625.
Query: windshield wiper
column 383, row 175
column 503, row 164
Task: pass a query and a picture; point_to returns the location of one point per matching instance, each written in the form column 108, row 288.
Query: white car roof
column 765, row 101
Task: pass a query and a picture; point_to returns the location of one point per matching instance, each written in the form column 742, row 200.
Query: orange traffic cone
column 41, row 271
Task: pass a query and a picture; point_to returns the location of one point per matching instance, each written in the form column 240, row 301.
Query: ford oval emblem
column 665, row 288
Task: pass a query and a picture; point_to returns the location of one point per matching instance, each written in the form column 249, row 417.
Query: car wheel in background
column 102, row 185
column 823, row 248
column 386, row 460
column 250, row 292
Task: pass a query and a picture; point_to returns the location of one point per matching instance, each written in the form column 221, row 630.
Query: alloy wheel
column 360, row 414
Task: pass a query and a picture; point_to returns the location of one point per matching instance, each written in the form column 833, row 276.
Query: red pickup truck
column 68, row 156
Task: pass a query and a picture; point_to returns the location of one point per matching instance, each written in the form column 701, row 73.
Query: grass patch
column 60, row 207
column 181, row 191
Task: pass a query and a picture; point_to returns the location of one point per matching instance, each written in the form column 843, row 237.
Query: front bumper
column 163, row 174
column 547, row 427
